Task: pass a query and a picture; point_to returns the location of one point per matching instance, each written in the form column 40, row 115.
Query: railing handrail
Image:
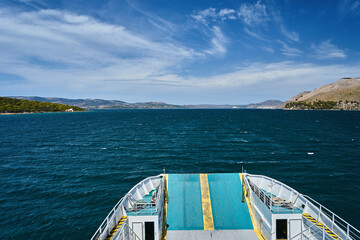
column 323, row 207
column 321, row 228
column 340, row 222
column 110, row 217
column 268, row 201
column 347, row 228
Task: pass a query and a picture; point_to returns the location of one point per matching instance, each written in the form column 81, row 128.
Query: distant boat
column 220, row 206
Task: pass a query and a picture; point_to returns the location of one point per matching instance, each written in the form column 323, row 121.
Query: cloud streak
column 39, row 41
column 327, row 50
column 289, row 51
column 217, row 42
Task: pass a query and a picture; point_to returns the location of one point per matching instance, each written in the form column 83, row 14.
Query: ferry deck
column 220, row 206
column 211, row 202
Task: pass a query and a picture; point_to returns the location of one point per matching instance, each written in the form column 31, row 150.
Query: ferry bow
column 220, row 206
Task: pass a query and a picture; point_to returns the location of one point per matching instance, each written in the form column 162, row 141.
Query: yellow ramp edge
column 166, row 199
column 252, row 215
column 206, row 203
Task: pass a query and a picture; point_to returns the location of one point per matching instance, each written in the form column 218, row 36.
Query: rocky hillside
column 341, row 95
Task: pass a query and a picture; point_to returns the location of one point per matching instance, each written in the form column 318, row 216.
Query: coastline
column 38, row 112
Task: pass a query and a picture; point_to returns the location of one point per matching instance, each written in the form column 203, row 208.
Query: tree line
column 317, row 105
column 13, row 105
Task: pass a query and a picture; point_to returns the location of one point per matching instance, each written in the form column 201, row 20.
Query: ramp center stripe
column 206, row 203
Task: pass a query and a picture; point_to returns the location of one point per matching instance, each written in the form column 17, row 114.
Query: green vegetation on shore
column 323, row 105
column 13, row 105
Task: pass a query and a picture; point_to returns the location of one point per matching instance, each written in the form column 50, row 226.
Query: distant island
column 89, row 103
column 12, row 105
column 341, row 95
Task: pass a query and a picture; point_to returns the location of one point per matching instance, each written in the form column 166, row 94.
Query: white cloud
column 40, row 45
column 291, row 35
column 289, row 51
column 253, row 14
column 204, row 15
column 67, row 52
column 289, row 73
column 217, row 42
column 227, row 14
column 255, row 34
column 212, row 15
column 327, row 50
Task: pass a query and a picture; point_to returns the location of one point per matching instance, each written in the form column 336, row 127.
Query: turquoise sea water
column 61, row 173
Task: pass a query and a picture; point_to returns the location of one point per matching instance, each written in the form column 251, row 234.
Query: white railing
column 335, row 223
column 110, row 219
column 332, row 221
column 115, row 214
column 274, row 206
column 312, row 231
column 143, row 208
column 125, row 233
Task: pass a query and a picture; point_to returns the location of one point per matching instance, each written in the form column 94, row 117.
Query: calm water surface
column 61, row 173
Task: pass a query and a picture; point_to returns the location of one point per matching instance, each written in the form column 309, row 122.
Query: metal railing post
column 323, row 232
column 333, row 221
column 347, row 232
column 107, row 226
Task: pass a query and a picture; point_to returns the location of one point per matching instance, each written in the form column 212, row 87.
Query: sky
column 179, row 52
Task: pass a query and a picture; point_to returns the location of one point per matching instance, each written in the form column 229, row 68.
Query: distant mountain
column 213, row 106
column 116, row 104
column 84, row 103
column 269, row 104
column 341, row 95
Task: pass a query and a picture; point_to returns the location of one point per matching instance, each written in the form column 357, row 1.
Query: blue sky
column 181, row 52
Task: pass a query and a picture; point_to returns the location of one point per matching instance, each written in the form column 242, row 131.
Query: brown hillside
column 345, row 92
column 344, row 89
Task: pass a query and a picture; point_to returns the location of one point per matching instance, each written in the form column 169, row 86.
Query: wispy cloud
column 209, row 15
column 255, row 34
column 217, row 42
column 227, row 13
column 327, row 50
column 349, row 6
column 36, row 4
column 287, row 72
column 253, row 14
column 209, row 18
column 250, row 14
column 289, row 51
column 155, row 20
column 290, row 35
column 256, row 18
column 66, row 50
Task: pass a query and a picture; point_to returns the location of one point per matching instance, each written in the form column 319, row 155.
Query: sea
column 61, row 173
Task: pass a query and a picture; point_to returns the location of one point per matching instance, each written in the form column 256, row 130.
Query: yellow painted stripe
column 164, row 228
column 206, row 203
column 320, row 225
column 252, row 216
column 116, row 227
